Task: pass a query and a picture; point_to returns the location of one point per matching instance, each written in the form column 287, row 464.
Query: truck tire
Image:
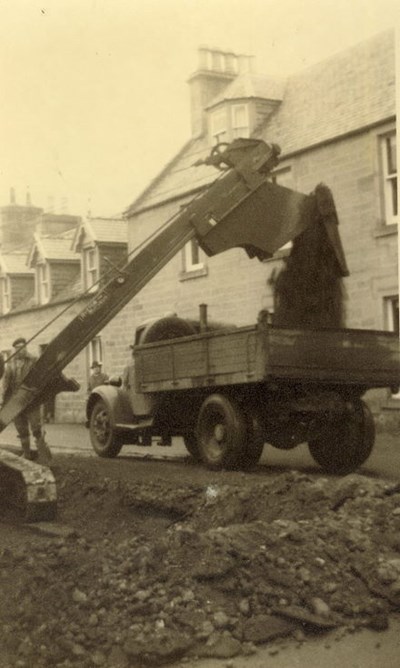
column 349, row 444
column 104, row 440
column 221, row 432
column 191, row 445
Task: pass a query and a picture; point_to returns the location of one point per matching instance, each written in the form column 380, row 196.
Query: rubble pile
column 149, row 573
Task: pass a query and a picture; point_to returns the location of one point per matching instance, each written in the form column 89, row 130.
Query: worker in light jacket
column 30, row 419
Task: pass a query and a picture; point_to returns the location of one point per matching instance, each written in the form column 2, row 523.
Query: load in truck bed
column 364, row 358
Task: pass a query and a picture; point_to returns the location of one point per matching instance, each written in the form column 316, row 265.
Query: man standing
column 97, row 377
column 15, row 372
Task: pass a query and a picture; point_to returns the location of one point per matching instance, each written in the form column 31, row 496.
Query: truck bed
column 252, row 354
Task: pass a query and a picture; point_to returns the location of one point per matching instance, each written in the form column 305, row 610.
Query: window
column 240, row 121
column 5, row 294
column 230, row 122
column 392, row 313
column 43, row 283
column 95, row 351
column 219, row 129
column 391, row 305
column 91, row 267
column 389, row 174
column 191, row 257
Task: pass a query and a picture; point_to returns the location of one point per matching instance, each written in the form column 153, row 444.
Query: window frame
column 5, row 294
column 43, row 282
column 219, row 130
column 191, row 268
column 95, row 352
column 391, row 319
column 389, row 179
column 91, row 272
column 192, row 251
column 236, row 128
column 223, row 124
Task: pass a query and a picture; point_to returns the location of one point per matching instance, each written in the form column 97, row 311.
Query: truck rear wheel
column 349, row 444
column 104, row 440
column 221, row 432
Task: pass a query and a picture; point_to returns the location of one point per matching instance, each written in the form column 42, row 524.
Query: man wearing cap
column 97, row 377
column 15, row 373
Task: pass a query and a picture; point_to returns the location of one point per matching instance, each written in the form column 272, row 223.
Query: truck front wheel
column 348, row 444
column 105, row 441
column 221, row 432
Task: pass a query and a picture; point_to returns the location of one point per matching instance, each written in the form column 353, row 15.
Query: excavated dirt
column 147, row 571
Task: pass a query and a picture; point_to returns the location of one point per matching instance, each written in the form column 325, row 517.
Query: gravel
column 150, row 573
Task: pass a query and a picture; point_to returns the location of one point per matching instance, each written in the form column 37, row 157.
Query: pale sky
column 94, row 94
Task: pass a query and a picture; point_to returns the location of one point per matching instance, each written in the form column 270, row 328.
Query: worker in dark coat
column 97, row 377
column 15, row 372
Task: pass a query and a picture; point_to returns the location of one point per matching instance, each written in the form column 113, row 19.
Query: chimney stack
column 12, row 195
column 28, row 198
column 217, row 68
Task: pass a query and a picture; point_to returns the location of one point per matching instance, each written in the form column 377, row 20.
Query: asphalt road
column 74, row 439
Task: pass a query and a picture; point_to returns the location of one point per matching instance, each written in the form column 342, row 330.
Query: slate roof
column 344, row 93
column 251, row 86
column 15, row 263
column 101, row 230
column 349, row 91
column 54, row 248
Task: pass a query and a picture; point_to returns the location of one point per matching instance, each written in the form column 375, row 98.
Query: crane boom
column 240, row 209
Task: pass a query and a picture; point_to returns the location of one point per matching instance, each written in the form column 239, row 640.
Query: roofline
column 40, row 307
column 187, row 193
column 156, row 179
column 242, row 98
column 345, row 135
column 290, row 154
column 84, row 227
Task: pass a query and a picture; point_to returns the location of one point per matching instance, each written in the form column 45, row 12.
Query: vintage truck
column 227, row 391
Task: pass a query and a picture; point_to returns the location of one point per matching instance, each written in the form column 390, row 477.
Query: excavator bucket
column 246, row 209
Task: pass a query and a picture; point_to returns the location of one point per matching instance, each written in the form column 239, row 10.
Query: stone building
column 47, row 278
column 335, row 123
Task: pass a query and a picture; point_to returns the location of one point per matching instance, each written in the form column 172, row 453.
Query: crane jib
column 242, row 208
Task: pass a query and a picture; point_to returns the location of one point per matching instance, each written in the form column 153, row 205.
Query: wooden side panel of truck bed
column 251, row 354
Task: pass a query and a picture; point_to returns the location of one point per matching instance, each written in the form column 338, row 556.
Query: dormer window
column 43, row 283
column 90, row 267
column 5, row 295
column 229, row 122
column 219, row 125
